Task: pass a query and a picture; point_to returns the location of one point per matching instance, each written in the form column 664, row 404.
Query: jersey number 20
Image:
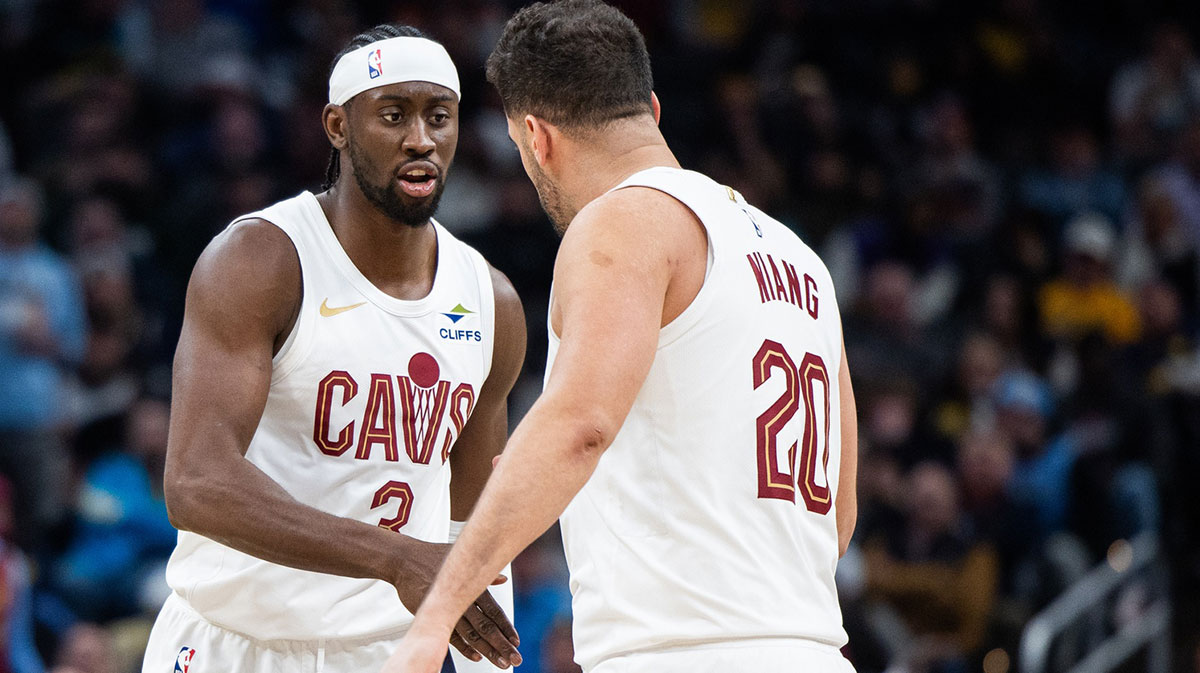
column 781, row 482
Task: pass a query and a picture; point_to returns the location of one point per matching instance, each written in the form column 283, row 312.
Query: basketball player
column 697, row 423
column 339, row 395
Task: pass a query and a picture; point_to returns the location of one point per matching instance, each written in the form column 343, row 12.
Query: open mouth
column 418, row 182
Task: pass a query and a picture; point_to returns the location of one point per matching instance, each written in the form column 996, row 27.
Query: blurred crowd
column 1007, row 193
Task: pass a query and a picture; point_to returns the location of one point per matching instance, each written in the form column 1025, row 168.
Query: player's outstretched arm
column 847, row 493
column 611, row 280
column 483, row 437
column 242, row 300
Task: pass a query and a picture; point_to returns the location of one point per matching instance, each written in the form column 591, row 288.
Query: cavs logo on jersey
column 183, row 660
column 375, row 63
column 411, row 408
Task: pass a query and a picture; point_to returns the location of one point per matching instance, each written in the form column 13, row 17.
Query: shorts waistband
column 756, row 643
column 177, row 602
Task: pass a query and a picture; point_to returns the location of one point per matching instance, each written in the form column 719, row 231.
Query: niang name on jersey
column 422, row 409
column 772, row 285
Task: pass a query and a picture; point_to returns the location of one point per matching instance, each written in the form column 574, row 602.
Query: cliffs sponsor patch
column 460, row 334
column 458, row 313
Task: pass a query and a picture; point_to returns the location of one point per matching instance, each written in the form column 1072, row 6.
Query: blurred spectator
column 1157, row 243
column 1041, row 478
column 122, row 536
column 1009, row 314
column 1075, row 181
column 884, row 338
column 41, row 337
column 964, row 185
column 1086, row 297
column 156, row 38
column 17, row 651
column 964, row 404
column 101, row 235
column 558, row 654
column 1180, row 181
column 540, row 600
column 86, row 648
column 1145, row 365
column 985, row 464
column 1152, row 99
column 109, row 383
column 94, row 142
column 934, row 582
column 890, row 418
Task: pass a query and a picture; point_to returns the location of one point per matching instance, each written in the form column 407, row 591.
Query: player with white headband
column 340, row 391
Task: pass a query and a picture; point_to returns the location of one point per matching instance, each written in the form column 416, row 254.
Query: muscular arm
column 243, row 294
column 612, row 278
column 846, row 504
column 241, row 302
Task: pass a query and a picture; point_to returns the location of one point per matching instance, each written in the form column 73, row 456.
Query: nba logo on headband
column 375, row 63
column 409, row 59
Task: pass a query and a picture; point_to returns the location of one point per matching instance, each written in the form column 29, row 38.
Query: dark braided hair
column 381, row 32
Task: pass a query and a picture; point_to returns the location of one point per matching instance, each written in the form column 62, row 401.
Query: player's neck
column 599, row 170
column 397, row 258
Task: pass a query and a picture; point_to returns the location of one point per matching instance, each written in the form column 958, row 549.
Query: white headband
column 391, row 61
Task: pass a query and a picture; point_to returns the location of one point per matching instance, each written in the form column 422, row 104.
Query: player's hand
column 482, row 631
column 417, row 654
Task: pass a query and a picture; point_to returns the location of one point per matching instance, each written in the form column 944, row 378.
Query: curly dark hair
column 575, row 63
column 381, row 32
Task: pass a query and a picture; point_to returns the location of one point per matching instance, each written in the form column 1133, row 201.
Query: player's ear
column 654, row 105
column 539, row 138
column 333, row 119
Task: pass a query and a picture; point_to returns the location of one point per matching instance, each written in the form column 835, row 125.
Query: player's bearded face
column 548, row 194
column 551, row 198
column 382, row 189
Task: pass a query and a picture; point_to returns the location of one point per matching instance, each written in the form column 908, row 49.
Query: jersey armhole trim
column 295, row 345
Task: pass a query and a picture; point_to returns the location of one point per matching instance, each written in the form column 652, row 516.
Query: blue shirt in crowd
column 31, row 388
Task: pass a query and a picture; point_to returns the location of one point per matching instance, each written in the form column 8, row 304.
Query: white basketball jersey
column 711, row 517
column 367, row 396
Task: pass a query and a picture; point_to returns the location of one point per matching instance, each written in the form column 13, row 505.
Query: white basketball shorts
column 182, row 641
column 767, row 654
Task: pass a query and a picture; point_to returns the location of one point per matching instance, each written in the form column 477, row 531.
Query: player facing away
column 697, row 423
column 339, row 395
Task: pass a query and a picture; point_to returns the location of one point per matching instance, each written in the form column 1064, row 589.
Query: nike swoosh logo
column 328, row 311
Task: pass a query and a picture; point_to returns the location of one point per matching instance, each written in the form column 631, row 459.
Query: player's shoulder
column 251, row 268
column 635, row 218
column 252, row 245
column 632, row 205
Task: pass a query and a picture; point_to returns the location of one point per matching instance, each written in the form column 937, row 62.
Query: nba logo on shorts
column 375, row 63
column 184, row 660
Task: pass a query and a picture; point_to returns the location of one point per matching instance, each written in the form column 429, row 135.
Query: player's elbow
column 591, row 434
column 184, row 499
column 175, row 495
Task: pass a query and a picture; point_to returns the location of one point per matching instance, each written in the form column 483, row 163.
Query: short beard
column 388, row 199
column 552, row 200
